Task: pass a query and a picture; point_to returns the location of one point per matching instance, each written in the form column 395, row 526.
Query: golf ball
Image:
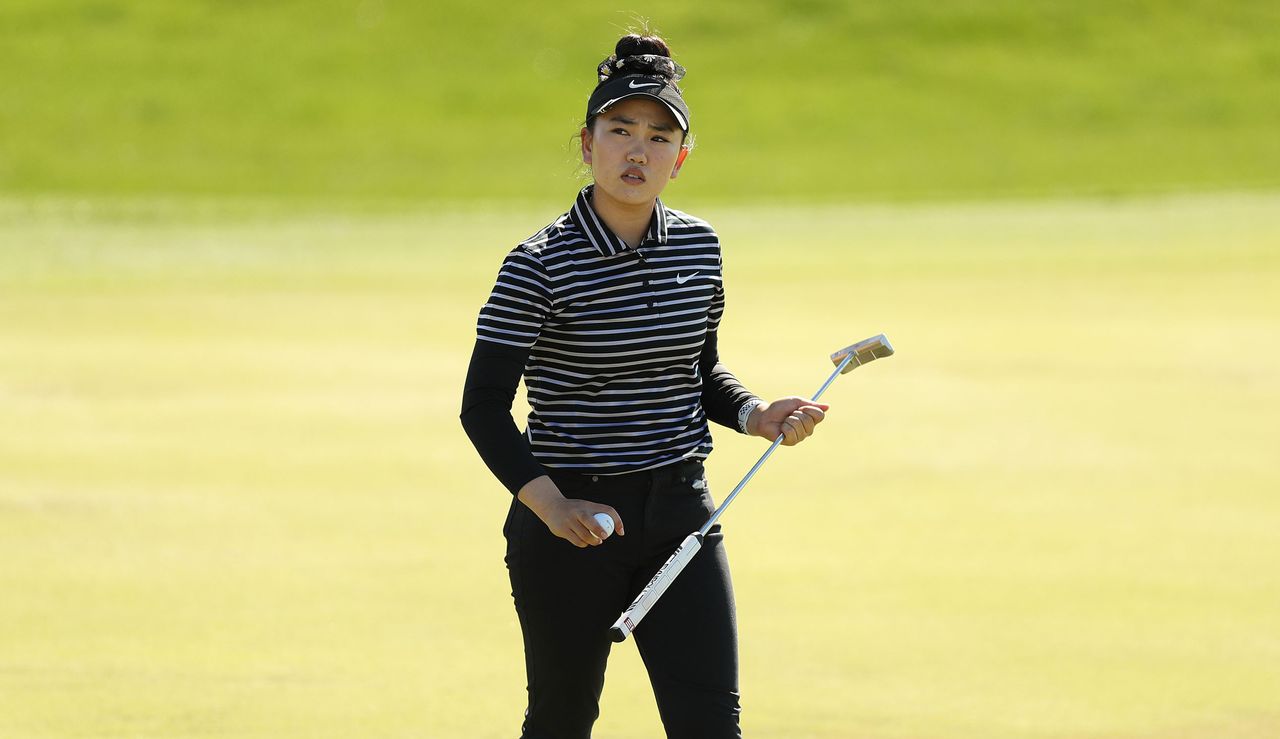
column 605, row 521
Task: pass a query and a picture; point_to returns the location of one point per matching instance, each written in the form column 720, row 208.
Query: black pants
column 567, row 598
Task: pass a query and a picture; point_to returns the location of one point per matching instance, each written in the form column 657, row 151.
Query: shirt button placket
column 653, row 302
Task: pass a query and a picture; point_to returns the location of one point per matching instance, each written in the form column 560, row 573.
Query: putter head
column 864, row 351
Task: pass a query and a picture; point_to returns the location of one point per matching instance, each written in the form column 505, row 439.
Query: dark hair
column 638, row 54
column 634, row 44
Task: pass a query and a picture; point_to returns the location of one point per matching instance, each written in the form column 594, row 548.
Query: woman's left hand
column 794, row 418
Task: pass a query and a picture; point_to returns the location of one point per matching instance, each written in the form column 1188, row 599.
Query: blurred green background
column 242, row 247
column 792, row 101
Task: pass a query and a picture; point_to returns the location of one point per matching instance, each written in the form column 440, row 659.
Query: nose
column 636, row 154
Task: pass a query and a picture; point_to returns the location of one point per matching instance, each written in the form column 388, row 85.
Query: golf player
column 610, row 314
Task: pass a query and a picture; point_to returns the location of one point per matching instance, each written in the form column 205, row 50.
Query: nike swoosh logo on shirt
column 632, row 84
column 681, row 279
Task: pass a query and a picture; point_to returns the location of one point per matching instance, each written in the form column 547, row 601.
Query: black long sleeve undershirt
column 722, row 394
column 490, row 389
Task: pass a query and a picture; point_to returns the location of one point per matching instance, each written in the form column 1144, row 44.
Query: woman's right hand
column 568, row 518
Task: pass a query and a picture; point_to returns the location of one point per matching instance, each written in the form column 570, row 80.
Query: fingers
column 583, row 530
column 801, row 422
column 600, row 533
column 618, row 528
column 581, row 535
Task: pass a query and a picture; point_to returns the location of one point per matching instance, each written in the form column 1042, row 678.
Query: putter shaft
column 776, row 442
column 845, row 360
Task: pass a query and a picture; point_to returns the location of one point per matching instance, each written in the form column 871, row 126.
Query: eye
column 660, row 139
column 622, row 131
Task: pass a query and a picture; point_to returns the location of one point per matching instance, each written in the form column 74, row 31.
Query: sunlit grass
column 235, row 500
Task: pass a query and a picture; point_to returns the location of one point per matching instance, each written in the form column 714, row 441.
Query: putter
column 845, row 360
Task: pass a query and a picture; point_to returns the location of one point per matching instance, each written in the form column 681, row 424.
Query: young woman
column 610, row 314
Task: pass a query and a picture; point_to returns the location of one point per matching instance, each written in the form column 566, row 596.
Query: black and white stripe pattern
column 615, row 335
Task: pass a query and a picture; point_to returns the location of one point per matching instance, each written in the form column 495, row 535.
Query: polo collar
column 604, row 240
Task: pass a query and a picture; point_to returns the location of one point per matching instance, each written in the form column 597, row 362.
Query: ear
column 684, row 152
column 587, row 141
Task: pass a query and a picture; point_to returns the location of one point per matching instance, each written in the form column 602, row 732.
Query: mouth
column 633, row 176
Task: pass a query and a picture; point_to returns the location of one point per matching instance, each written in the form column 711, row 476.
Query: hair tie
column 663, row 66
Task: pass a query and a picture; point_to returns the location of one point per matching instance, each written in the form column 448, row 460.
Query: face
column 634, row 149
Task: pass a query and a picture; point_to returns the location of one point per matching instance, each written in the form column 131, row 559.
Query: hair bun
column 633, row 44
column 636, row 54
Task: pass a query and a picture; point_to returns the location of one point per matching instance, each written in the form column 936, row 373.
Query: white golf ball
column 607, row 522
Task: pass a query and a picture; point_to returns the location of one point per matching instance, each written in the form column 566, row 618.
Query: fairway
column 236, row 501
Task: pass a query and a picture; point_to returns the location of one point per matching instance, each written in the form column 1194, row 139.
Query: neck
column 629, row 222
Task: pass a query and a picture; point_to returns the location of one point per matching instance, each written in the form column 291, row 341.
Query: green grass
column 235, row 500
column 793, row 101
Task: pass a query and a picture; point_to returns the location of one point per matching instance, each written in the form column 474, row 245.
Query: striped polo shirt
column 614, row 337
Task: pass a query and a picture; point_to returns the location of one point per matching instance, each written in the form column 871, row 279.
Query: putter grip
column 658, row 585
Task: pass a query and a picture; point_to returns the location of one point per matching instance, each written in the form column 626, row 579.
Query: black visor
column 614, row 89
